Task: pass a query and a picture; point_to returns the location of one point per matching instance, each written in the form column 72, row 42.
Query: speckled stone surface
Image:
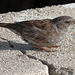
column 15, row 63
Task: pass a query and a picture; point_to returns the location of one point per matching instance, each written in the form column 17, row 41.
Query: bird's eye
column 66, row 21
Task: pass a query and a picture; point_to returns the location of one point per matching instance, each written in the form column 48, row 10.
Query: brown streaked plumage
column 42, row 33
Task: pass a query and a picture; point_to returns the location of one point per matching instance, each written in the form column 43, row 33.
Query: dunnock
column 42, row 33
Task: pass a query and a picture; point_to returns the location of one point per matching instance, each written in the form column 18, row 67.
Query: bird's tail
column 9, row 26
column 5, row 25
column 14, row 26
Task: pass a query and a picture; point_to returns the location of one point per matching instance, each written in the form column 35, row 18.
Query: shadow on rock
column 15, row 46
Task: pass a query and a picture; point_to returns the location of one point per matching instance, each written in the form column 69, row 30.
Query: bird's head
column 63, row 22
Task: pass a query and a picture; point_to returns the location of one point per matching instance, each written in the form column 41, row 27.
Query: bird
column 42, row 33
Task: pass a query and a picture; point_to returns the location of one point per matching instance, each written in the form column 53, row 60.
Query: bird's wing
column 35, row 30
column 37, row 23
column 39, row 26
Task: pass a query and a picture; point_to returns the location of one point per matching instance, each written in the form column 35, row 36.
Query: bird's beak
column 72, row 32
column 73, row 22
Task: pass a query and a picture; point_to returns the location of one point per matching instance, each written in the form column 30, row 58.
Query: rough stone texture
column 15, row 63
column 63, row 59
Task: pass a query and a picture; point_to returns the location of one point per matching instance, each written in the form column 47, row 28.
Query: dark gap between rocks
column 52, row 69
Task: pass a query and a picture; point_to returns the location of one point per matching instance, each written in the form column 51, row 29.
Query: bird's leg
column 52, row 46
column 42, row 48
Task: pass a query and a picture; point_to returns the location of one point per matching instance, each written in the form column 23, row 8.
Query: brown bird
column 42, row 33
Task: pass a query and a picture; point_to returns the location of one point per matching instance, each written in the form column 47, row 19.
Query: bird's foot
column 52, row 46
column 42, row 48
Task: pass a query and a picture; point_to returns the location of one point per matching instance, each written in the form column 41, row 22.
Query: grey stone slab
column 18, row 64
